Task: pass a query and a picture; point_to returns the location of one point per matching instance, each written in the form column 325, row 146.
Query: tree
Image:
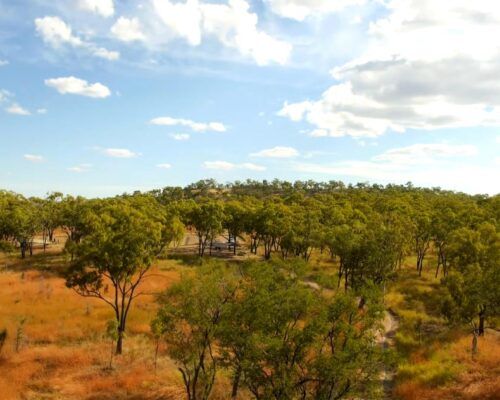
column 272, row 223
column 473, row 285
column 112, row 260
column 190, row 316
column 207, row 218
column 281, row 340
column 51, row 215
column 266, row 333
column 422, row 232
column 236, row 214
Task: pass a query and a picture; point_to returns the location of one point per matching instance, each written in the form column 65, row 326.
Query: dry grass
column 436, row 362
column 63, row 354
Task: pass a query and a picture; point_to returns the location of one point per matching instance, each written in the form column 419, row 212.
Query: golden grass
column 437, row 363
column 63, row 354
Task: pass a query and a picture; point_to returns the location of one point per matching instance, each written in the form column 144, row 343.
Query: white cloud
column 56, row 33
column 252, row 167
column 120, row 153
column 301, row 9
column 164, row 166
column 195, row 126
column 41, row 111
column 462, row 177
column 277, row 152
column 227, row 166
column 16, row 109
column 423, row 153
column 72, row 85
column 184, row 19
column 3, row 63
column 80, row 168
column 232, row 24
column 106, row 54
column 429, row 65
column 429, row 165
column 127, row 30
column 33, row 158
column 180, row 136
column 104, row 8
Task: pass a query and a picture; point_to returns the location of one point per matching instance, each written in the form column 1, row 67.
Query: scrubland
column 63, row 352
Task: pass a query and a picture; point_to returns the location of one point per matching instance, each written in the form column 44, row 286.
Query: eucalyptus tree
column 51, row 211
column 113, row 258
column 19, row 221
column 273, row 221
column 474, row 281
column 236, row 214
column 281, row 340
column 207, row 218
column 422, row 230
column 189, row 318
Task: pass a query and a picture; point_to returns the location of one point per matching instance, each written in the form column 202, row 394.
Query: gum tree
column 112, row 260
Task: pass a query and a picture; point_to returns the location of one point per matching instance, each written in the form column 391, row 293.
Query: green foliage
column 123, row 238
column 279, row 338
column 189, row 320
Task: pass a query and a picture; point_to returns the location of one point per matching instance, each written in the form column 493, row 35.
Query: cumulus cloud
column 429, row 65
column 120, row 153
column 57, row 33
column 72, row 85
column 127, row 30
column 164, row 166
column 195, row 126
column 33, row 158
column 104, row 8
column 277, row 152
column 301, row 9
column 16, row 109
column 3, row 63
column 80, row 168
column 231, row 24
column 180, row 136
column 227, row 166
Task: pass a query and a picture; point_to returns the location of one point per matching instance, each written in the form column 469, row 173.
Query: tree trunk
column 480, row 330
column 23, row 249
column 236, row 383
column 119, row 342
column 474, row 344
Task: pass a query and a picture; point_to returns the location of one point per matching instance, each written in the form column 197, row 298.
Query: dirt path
column 386, row 340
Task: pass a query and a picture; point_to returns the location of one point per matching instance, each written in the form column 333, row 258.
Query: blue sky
column 99, row 97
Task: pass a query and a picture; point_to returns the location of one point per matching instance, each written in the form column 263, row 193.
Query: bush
column 6, row 247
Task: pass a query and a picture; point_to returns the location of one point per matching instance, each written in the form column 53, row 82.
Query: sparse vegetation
column 291, row 307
